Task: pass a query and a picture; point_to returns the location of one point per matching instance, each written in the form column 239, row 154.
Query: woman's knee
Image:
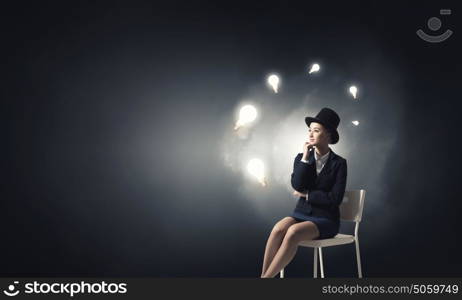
column 278, row 230
column 292, row 233
column 297, row 233
column 282, row 226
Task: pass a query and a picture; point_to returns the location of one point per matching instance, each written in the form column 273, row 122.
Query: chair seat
column 339, row 239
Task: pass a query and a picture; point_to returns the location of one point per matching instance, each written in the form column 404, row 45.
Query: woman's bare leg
column 275, row 240
column 295, row 234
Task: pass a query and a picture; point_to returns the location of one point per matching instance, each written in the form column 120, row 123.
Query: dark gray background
column 119, row 156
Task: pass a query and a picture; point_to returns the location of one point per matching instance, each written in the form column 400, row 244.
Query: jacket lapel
column 329, row 164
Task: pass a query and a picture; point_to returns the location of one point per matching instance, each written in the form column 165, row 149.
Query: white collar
column 322, row 158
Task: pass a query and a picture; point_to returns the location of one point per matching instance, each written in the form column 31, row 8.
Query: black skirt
column 327, row 228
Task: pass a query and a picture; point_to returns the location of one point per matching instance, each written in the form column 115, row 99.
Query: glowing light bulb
column 247, row 114
column 256, row 167
column 273, row 80
column 353, row 91
column 314, row 68
column 356, row 123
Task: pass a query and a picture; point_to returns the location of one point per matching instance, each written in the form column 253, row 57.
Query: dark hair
column 331, row 133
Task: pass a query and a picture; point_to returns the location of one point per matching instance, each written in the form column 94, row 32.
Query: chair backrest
column 351, row 208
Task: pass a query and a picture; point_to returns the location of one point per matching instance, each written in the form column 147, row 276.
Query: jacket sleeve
column 335, row 196
column 303, row 175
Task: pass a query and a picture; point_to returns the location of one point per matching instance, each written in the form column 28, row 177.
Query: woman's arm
column 303, row 175
column 335, row 196
column 298, row 194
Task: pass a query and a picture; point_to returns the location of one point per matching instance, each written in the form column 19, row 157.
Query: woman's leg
column 275, row 240
column 295, row 234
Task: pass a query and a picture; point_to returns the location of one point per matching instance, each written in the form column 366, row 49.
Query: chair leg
column 358, row 259
column 315, row 263
column 281, row 274
column 320, row 262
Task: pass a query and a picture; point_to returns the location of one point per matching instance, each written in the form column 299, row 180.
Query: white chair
column 351, row 209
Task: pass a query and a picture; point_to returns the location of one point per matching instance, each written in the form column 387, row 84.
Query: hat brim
column 335, row 136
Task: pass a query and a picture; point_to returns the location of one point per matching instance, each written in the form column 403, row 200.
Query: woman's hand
column 306, row 149
column 298, row 194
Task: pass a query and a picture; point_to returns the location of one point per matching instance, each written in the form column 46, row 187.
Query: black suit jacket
column 325, row 191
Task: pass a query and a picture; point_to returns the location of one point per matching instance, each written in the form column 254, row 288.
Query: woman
column 319, row 179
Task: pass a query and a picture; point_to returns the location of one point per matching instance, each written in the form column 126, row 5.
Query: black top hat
column 329, row 119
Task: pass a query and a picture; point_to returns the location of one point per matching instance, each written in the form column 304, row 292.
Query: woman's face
column 318, row 135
